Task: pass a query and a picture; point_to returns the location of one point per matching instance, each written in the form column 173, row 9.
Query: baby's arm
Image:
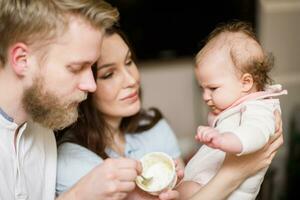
column 227, row 142
column 257, row 125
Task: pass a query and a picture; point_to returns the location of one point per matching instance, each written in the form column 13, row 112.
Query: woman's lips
column 133, row 96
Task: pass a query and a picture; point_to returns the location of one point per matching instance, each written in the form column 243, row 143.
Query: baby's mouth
column 213, row 109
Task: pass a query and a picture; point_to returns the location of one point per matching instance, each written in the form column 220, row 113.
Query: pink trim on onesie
column 271, row 91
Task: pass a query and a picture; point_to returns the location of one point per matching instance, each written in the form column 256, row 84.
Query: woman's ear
column 19, row 58
column 247, row 82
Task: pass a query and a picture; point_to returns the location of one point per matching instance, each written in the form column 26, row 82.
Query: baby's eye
column 213, row 88
column 201, row 89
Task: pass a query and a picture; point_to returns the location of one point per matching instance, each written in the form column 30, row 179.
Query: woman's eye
column 213, row 88
column 128, row 62
column 107, row 75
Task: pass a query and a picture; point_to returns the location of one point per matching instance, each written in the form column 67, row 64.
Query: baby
column 232, row 69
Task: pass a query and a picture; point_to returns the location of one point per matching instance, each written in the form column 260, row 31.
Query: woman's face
column 118, row 80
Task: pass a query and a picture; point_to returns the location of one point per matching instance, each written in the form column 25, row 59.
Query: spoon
column 146, row 180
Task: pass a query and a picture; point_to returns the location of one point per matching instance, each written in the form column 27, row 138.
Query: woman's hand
column 141, row 195
column 169, row 195
column 138, row 194
column 179, row 165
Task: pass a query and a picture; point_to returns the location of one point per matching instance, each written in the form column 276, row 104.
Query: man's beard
column 48, row 109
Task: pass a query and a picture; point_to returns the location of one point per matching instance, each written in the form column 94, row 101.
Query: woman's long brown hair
column 91, row 130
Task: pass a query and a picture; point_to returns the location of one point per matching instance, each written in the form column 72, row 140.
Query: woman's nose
column 129, row 78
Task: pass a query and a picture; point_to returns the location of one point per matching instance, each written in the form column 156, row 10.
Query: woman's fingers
column 180, row 174
column 278, row 121
column 179, row 169
column 278, row 126
column 169, row 195
column 276, row 144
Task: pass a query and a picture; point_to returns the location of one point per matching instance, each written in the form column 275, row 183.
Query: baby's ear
column 247, row 82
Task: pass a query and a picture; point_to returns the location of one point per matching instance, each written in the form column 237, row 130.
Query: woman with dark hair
column 113, row 125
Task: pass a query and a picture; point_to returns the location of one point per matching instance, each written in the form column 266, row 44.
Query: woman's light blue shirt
column 75, row 161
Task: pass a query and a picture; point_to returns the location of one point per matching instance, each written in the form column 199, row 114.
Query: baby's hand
column 227, row 142
column 209, row 136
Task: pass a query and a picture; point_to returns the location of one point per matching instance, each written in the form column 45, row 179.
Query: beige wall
column 279, row 31
column 171, row 87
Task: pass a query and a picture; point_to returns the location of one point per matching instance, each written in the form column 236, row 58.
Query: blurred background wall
column 167, row 34
column 278, row 25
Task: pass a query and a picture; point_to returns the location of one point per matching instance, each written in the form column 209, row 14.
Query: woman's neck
column 117, row 143
column 113, row 123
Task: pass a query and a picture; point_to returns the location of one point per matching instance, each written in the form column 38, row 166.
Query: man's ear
column 19, row 58
column 247, row 82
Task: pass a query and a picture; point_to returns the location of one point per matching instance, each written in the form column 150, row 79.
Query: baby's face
column 217, row 77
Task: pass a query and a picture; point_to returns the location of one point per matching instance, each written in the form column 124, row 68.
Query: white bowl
column 161, row 168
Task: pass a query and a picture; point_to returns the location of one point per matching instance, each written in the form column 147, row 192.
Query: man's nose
column 87, row 82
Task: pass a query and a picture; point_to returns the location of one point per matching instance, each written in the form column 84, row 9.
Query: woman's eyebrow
column 128, row 54
column 105, row 66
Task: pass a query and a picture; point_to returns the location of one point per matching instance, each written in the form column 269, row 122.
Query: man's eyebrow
column 82, row 63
